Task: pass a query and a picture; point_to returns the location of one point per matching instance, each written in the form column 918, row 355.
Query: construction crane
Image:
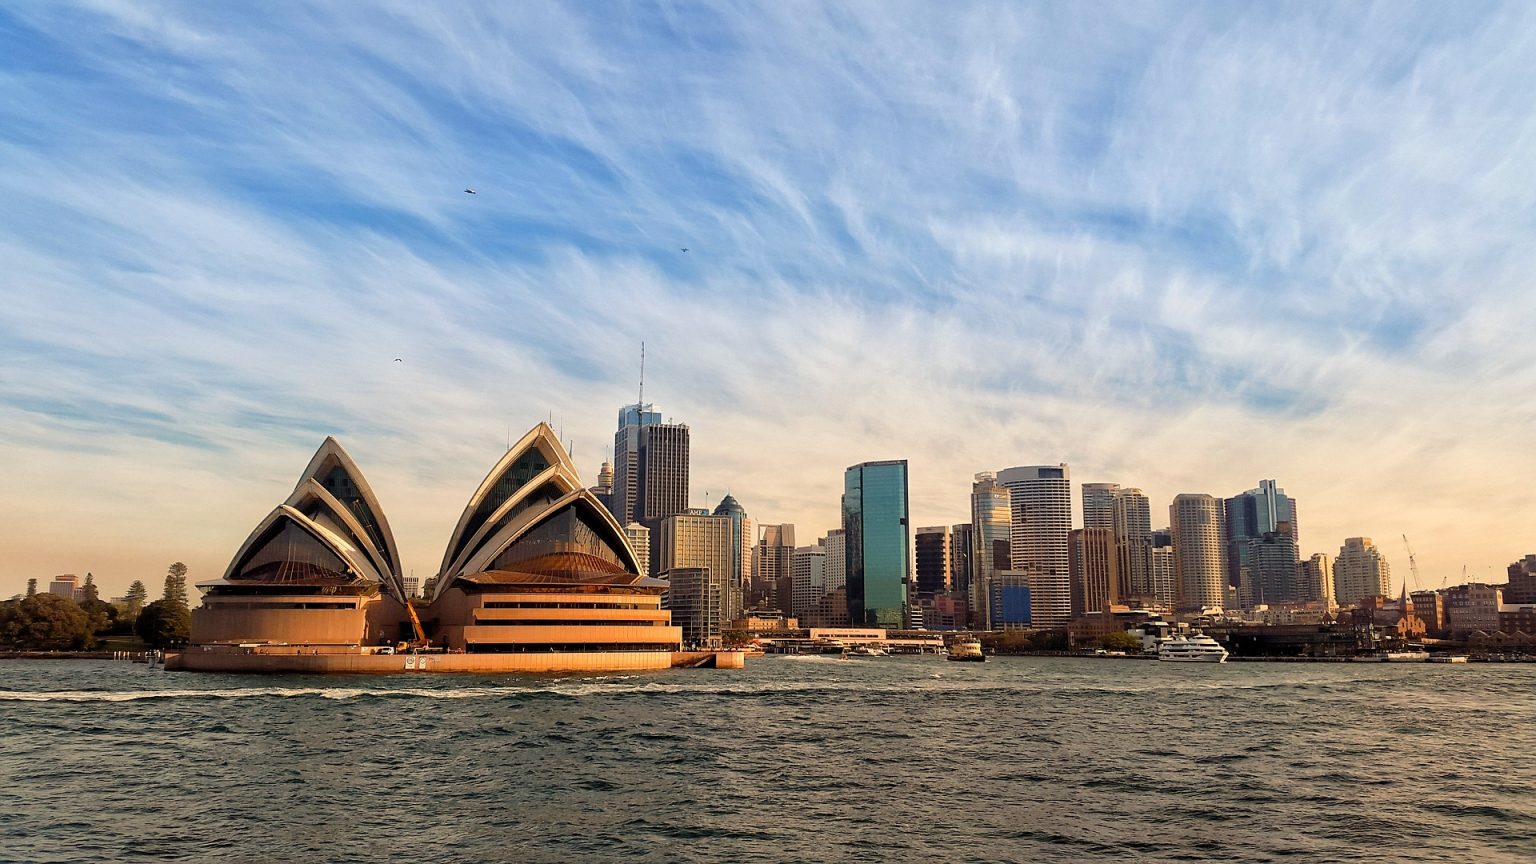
column 421, row 642
column 1413, row 564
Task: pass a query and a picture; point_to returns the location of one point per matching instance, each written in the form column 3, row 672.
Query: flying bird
column 397, row 359
column 685, row 249
column 471, row 192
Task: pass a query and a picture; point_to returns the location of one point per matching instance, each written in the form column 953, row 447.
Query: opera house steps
column 537, row 577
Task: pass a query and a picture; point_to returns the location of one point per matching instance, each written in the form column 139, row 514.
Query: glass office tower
column 878, row 542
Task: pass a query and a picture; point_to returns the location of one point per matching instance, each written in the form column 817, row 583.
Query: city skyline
column 1181, row 250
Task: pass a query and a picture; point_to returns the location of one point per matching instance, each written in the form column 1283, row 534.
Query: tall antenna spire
column 641, row 400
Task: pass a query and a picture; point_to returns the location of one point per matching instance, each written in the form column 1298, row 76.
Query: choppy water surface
column 792, row 759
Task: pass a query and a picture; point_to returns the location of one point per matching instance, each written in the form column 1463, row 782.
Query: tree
column 44, row 622
column 1120, row 641
column 176, row 586
column 138, row 595
column 164, row 625
column 31, row 587
column 102, row 614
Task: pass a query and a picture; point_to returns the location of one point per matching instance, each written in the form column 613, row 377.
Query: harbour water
column 795, row 759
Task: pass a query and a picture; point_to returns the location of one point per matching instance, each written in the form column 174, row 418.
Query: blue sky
column 1178, row 246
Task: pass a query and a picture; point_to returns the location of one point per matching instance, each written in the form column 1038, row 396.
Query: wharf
column 291, row 660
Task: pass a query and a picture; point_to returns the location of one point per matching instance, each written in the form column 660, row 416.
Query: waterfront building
column 1249, row 516
column 991, row 543
column 1099, row 504
column 1360, row 571
column 1132, row 524
column 1010, row 600
column 695, row 596
column 1317, row 580
column 1522, row 581
column 837, row 558
column 1094, row 569
column 639, row 538
column 771, row 567
column 808, row 575
column 698, row 539
column 743, row 540
column 1164, row 572
column 1196, row 524
column 1472, row 608
column 1430, row 606
column 832, row 610
column 878, row 543
column 1041, row 499
column 537, row 575
column 931, row 557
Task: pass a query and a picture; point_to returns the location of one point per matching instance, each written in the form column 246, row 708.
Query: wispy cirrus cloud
column 1180, row 247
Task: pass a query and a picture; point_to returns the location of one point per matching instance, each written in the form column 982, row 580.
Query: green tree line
column 49, row 622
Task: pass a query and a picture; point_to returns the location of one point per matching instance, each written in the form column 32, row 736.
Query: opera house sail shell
column 537, row 576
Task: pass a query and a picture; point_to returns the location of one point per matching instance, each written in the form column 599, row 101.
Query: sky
column 1178, row 246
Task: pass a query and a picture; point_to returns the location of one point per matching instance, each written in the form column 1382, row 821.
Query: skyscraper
column 1094, row 569
column 808, row 576
column 1099, row 504
column 837, row 559
column 1133, row 542
column 1041, row 498
column 878, row 543
column 1196, row 523
column 695, row 539
column 991, row 530
column 1164, row 584
column 1251, row 515
column 771, row 567
column 931, row 556
column 1360, row 572
column 1317, row 580
column 1272, row 573
column 960, row 545
column 639, row 538
column 742, row 540
column 650, row 470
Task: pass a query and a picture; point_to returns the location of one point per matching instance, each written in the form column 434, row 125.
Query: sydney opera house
column 537, row 576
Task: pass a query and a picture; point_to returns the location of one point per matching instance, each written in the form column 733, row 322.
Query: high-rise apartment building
column 1041, row 499
column 1132, row 523
column 1165, row 588
column 1196, row 523
column 1250, row 515
column 1360, row 571
column 1317, row 580
column 808, row 576
column 991, row 542
column 772, row 585
column 931, row 548
column 1272, row 569
column 743, row 538
column 695, row 539
column 879, row 543
column 1099, row 504
column 1094, row 568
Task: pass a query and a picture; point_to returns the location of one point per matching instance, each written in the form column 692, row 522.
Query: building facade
column 1196, row 524
column 991, row 542
column 1132, row 523
column 1099, row 504
column 698, row 539
column 1094, row 568
column 1317, row 580
column 878, row 543
column 1360, row 571
column 808, row 573
column 772, row 585
column 1249, row 516
column 1522, row 581
column 931, row 551
column 743, row 541
column 1041, row 501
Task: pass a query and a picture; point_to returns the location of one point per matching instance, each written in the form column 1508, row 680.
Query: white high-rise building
column 1041, row 501
column 837, row 564
column 1164, row 586
column 1196, row 522
column 1360, row 572
column 808, row 570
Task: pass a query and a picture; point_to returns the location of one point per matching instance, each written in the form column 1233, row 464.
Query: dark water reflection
column 792, row 759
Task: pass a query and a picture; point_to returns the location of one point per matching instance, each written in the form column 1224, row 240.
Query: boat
column 1409, row 656
column 1198, row 648
column 1447, row 658
column 967, row 651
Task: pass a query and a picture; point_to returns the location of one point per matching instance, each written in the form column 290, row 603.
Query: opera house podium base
column 275, row 659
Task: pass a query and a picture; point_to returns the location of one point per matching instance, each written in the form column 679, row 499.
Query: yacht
column 1191, row 649
column 967, row 650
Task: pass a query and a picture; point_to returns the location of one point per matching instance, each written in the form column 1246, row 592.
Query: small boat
column 967, row 651
column 1198, row 648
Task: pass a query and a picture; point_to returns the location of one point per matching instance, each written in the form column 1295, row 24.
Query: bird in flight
column 471, row 192
column 685, row 249
column 397, row 359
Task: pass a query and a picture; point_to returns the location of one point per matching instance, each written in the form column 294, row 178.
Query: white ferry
column 1191, row 649
column 967, row 651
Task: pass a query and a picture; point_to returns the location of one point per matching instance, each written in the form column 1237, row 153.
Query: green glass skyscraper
column 878, row 542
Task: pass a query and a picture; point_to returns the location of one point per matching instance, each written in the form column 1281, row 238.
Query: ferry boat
column 1405, row 656
column 1447, row 658
column 967, row 651
column 1191, row 649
